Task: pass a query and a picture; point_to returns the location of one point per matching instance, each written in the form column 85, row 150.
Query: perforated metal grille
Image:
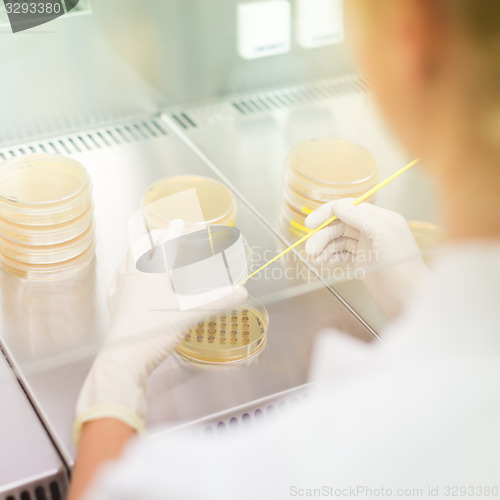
column 247, row 416
column 52, row 490
column 91, row 140
column 285, row 98
column 272, row 100
column 184, row 120
column 250, row 418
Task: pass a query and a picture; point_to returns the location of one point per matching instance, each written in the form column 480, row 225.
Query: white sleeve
column 254, row 464
column 382, row 417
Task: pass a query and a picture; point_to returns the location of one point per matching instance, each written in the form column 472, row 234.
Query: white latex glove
column 370, row 236
column 146, row 326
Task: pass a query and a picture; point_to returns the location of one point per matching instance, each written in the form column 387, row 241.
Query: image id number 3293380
column 16, row 7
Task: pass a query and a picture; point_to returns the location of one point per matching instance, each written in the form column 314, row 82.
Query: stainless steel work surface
column 248, row 140
column 28, row 459
column 52, row 330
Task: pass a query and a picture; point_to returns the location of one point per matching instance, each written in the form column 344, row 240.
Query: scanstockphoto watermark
column 291, row 267
column 361, row 491
column 427, row 491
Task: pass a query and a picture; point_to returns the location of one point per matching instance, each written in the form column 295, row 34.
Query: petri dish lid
column 48, row 234
column 233, row 336
column 46, row 272
column 216, row 201
column 48, row 254
column 320, row 168
column 42, row 188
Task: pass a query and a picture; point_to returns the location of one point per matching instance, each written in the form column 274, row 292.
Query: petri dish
column 294, row 209
column 322, row 169
column 47, row 254
column 43, row 189
column 299, row 202
column 307, row 205
column 229, row 337
column 46, row 272
column 216, row 201
column 47, row 234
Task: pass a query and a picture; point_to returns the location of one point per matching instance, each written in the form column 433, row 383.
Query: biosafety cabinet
column 140, row 91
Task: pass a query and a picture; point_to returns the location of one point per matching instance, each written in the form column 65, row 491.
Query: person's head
column 434, row 66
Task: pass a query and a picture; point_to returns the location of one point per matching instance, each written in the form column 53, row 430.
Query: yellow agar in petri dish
column 48, row 234
column 48, row 254
column 46, row 217
column 48, row 272
column 229, row 337
column 299, row 202
column 322, row 168
column 216, row 201
column 296, row 219
column 43, row 189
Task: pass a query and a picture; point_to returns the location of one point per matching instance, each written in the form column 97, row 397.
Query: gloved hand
column 370, row 236
column 146, row 326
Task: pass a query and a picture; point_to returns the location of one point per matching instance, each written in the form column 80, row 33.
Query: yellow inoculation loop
column 357, row 201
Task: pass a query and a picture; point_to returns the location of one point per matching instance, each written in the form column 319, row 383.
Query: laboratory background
column 110, row 113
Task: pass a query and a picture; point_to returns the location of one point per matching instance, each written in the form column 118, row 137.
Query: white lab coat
column 417, row 416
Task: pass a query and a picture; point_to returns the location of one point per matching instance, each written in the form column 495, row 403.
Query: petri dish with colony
column 43, row 189
column 229, row 337
column 216, row 202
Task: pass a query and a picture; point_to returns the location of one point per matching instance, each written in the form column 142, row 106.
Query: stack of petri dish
column 215, row 200
column 46, row 217
column 322, row 170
